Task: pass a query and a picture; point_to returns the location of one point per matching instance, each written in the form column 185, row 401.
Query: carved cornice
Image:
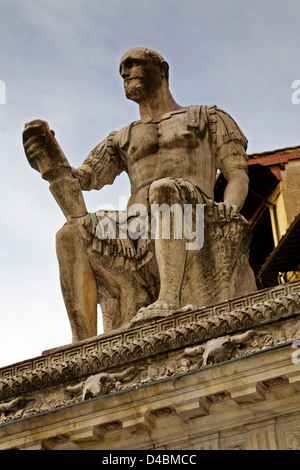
column 124, row 347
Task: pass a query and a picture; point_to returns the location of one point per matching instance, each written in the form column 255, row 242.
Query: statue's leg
column 78, row 282
column 170, row 252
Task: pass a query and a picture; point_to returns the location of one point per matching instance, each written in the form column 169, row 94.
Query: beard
column 134, row 89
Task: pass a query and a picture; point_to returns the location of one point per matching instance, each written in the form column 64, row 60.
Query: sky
column 59, row 62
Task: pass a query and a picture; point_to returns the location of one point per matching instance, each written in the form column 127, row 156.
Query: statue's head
column 143, row 70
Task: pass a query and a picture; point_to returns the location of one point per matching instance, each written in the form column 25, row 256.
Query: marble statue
column 171, row 155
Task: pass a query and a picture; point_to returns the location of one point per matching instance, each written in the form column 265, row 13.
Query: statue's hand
column 82, row 176
column 35, row 140
column 77, row 173
column 43, row 151
column 45, row 155
column 227, row 211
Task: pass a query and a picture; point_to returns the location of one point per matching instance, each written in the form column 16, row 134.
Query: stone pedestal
column 222, row 377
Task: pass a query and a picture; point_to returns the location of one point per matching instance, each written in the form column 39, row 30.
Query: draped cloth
column 109, row 228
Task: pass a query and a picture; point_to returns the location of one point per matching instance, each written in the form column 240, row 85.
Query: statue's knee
column 67, row 238
column 163, row 191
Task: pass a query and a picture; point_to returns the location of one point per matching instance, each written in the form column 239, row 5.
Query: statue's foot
column 160, row 305
column 188, row 308
column 158, row 309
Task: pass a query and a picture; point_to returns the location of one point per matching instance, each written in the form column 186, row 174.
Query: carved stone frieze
column 103, row 383
column 131, row 358
column 249, row 403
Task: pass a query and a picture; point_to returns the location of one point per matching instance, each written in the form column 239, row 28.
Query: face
column 140, row 75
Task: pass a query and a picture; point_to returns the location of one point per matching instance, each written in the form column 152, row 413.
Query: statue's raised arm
column 45, row 155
